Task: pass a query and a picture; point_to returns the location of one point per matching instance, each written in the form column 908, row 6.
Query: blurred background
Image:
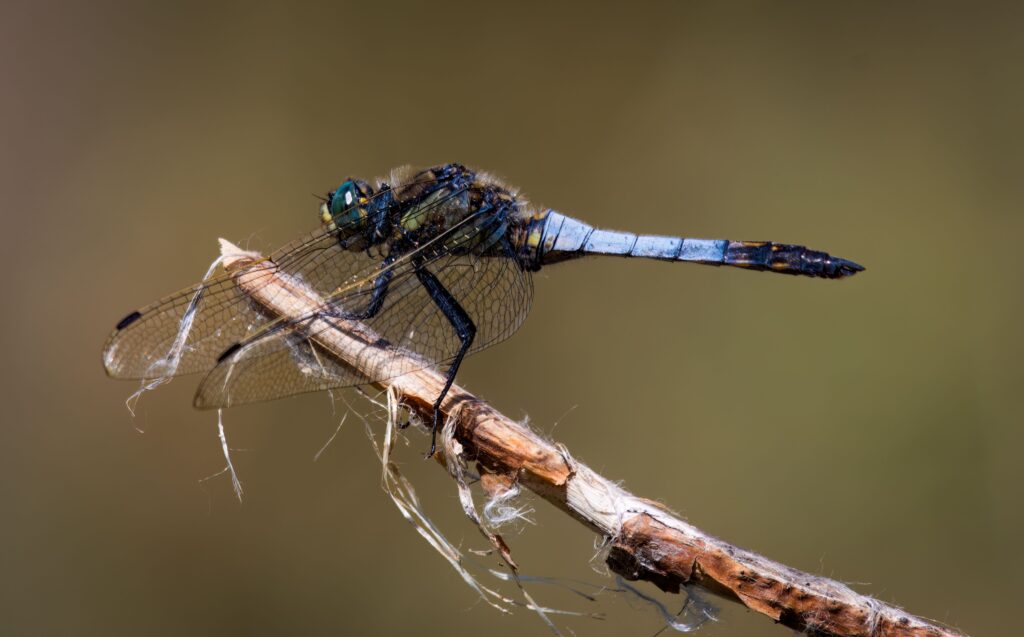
column 867, row 430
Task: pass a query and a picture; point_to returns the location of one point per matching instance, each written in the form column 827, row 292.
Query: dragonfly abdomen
column 560, row 238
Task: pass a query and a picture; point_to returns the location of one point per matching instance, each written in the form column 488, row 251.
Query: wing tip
column 199, row 401
column 111, row 365
column 109, row 368
column 205, row 399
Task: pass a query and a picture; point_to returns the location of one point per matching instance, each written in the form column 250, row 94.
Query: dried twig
column 647, row 542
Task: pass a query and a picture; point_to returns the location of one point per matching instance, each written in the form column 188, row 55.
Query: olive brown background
column 867, row 429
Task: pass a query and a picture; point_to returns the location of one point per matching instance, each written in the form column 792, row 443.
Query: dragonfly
column 438, row 261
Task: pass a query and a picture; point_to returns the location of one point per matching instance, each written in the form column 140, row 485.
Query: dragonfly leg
column 380, row 290
column 464, row 329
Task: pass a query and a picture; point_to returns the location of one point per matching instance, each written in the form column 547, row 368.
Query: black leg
column 464, row 329
column 380, row 290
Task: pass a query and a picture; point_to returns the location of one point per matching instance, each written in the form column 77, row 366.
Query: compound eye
column 343, row 198
column 349, row 197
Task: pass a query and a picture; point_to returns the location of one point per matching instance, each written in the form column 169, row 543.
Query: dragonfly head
column 347, row 208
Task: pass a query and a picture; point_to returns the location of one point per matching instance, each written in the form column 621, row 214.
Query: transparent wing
column 187, row 331
column 493, row 290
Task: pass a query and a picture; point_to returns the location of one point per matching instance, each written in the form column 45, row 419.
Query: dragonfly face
column 449, row 275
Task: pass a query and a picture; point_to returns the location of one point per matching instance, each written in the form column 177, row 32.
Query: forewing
column 494, row 291
column 187, row 331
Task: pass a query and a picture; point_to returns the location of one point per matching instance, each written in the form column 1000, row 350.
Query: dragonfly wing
column 495, row 292
column 187, row 331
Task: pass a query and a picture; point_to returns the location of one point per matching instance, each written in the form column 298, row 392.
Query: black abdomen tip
column 788, row 259
column 836, row 268
column 128, row 320
column 814, row 263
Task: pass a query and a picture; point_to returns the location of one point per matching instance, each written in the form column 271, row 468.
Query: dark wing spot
column 229, row 351
column 128, row 320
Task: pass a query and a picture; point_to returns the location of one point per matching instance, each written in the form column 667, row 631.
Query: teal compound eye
column 347, row 206
column 343, row 198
